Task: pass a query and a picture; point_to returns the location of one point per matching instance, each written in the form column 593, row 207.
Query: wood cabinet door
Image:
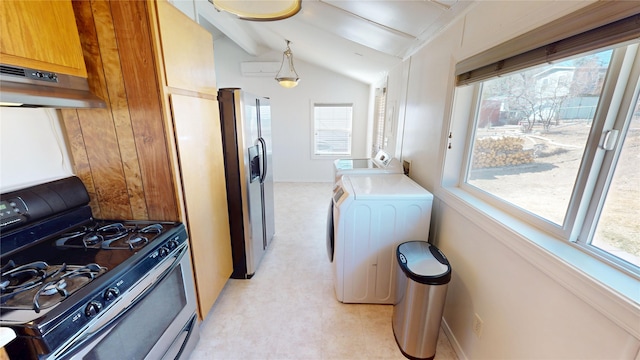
column 187, row 50
column 199, row 142
column 41, row 35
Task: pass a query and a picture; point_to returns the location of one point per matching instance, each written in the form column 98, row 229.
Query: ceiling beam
column 229, row 26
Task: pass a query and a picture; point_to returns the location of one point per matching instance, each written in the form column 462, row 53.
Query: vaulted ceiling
column 361, row 39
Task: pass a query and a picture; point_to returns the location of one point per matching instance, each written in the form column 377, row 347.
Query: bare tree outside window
column 529, row 141
column 528, row 147
column 545, row 95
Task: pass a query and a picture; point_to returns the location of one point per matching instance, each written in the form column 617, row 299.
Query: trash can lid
column 423, row 263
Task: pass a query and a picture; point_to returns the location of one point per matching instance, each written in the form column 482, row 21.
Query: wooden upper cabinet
column 187, row 50
column 41, row 35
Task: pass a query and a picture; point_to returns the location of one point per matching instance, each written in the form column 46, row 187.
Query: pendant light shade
column 287, row 75
column 259, row 10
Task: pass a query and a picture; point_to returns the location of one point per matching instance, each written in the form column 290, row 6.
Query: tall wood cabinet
column 40, row 35
column 156, row 151
column 191, row 96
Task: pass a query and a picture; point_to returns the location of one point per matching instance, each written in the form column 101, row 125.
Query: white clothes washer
column 372, row 216
column 382, row 163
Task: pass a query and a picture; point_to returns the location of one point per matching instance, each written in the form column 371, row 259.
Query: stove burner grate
column 110, row 236
column 38, row 285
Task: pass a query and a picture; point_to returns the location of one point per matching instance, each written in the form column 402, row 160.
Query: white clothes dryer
column 372, row 216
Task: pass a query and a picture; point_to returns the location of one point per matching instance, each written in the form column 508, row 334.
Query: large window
column 559, row 146
column 332, row 129
column 531, row 132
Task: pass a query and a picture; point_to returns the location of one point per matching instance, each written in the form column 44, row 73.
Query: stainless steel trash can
column 423, row 275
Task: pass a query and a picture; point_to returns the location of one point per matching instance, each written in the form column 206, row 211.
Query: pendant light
column 287, row 75
column 263, row 10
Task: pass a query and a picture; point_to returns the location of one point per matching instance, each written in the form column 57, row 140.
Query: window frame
column 583, row 235
column 315, row 104
column 606, row 288
column 589, row 191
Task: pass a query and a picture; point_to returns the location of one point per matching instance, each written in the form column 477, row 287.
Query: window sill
column 612, row 292
column 330, row 156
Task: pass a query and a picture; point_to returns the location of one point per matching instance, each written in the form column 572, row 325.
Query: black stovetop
column 102, row 244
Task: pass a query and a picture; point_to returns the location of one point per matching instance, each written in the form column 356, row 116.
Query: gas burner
column 83, row 239
column 23, row 277
column 54, row 287
column 133, row 242
column 113, row 231
column 152, row 229
column 92, row 239
column 38, row 285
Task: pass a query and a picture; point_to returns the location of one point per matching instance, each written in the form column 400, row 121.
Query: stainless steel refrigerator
column 246, row 135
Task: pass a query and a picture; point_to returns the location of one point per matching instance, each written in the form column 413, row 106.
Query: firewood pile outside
column 492, row 152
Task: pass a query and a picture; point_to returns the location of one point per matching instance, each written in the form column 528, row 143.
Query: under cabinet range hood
column 20, row 86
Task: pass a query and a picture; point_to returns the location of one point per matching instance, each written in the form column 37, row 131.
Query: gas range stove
column 53, row 269
column 63, row 270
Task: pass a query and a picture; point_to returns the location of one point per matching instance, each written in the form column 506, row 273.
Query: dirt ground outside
column 544, row 187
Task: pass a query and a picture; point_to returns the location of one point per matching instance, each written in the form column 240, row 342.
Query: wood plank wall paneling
column 108, row 174
column 70, row 119
column 90, row 47
column 98, row 127
column 120, row 152
column 73, row 130
column 140, row 79
column 119, row 105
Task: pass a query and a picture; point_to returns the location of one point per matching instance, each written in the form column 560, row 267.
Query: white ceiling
column 361, row 39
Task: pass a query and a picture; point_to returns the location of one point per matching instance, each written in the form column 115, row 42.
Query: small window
column 332, row 129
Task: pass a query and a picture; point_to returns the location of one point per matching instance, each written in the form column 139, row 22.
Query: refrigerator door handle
column 263, row 144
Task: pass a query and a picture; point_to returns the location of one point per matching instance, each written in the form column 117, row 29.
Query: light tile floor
column 288, row 310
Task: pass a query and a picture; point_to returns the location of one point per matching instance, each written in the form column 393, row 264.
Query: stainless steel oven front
column 155, row 320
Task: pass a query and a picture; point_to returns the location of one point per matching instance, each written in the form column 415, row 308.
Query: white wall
column 527, row 313
column 291, row 110
column 32, row 148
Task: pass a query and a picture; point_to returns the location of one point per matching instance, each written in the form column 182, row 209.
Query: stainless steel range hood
column 26, row 87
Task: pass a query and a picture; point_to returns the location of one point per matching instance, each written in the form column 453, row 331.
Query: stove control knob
column 173, row 244
column 111, row 293
column 93, row 308
column 164, row 251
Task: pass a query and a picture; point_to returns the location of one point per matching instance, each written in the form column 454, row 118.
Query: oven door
column 159, row 323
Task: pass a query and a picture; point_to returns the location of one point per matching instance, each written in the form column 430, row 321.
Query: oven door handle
column 182, row 342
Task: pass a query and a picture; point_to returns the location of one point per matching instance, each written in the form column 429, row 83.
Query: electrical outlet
column 477, row 325
column 406, row 166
